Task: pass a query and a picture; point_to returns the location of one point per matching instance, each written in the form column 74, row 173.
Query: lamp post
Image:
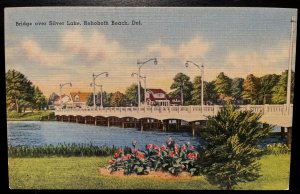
column 60, row 90
column 181, row 92
column 288, row 96
column 140, row 64
column 91, row 84
column 201, row 68
column 145, row 81
column 94, row 78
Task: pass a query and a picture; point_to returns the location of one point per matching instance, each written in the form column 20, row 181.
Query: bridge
column 170, row 117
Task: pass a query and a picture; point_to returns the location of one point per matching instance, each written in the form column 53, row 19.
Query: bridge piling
column 282, row 132
column 289, row 134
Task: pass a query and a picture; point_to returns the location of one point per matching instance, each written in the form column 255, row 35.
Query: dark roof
column 154, row 91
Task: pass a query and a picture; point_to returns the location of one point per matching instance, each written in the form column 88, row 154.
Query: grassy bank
column 82, row 173
column 31, row 116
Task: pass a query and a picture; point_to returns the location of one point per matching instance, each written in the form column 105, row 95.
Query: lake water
column 36, row 133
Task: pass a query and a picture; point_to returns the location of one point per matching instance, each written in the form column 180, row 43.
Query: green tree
column 196, row 92
column 237, row 88
column 39, row 98
column 118, row 99
column 52, row 98
column 231, row 147
column 268, row 82
column 210, row 94
column 251, row 88
column 131, row 94
column 106, row 99
column 223, row 86
column 280, row 90
column 182, row 82
column 19, row 91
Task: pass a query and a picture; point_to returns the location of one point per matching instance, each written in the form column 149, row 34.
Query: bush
column 276, row 148
column 61, row 150
column 171, row 158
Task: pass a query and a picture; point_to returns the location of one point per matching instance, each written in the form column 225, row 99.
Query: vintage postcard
column 149, row 97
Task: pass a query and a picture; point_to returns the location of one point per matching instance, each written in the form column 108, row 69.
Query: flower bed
column 170, row 158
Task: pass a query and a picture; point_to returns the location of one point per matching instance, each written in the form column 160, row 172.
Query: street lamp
column 94, row 78
column 60, row 89
column 181, row 88
column 140, row 64
column 91, row 84
column 288, row 96
column 202, row 77
column 143, row 77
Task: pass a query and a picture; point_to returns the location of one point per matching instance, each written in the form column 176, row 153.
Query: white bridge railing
column 188, row 113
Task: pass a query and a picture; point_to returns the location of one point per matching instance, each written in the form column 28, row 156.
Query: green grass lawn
column 82, row 173
column 30, row 116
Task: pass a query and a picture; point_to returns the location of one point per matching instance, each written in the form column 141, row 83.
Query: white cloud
column 91, row 48
column 193, row 49
column 271, row 60
column 32, row 51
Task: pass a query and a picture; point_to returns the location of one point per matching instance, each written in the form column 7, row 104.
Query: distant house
column 64, row 100
column 158, row 97
column 78, row 99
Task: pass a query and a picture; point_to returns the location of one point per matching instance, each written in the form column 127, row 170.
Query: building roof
column 155, row 91
column 83, row 96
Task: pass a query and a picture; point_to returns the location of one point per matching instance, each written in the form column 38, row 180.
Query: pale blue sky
column 237, row 41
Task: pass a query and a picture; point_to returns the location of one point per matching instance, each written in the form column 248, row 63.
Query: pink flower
column 176, row 146
column 155, row 147
column 128, row 155
column 183, row 148
column 141, row 156
column 149, row 146
column 163, row 147
column 116, row 155
column 191, row 147
column 124, row 157
column 195, row 156
column 171, row 153
column 190, row 155
column 120, row 150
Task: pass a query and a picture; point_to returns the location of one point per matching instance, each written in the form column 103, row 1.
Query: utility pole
column 289, row 82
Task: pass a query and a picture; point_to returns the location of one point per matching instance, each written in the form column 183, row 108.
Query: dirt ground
column 153, row 174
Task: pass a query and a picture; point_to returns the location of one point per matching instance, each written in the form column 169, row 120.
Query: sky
column 236, row 41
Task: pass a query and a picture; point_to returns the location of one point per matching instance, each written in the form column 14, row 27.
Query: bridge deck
column 280, row 115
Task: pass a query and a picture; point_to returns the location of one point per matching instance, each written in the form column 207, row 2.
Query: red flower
column 124, row 157
column 176, row 146
column 171, row 153
column 163, row 147
column 155, row 147
column 137, row 151
column 128, row 155
column 158, row 153
column 196, row 156
column 141, row 156
column 190, row 155
column 116, row 155
column 149, row 146
column 120, row 150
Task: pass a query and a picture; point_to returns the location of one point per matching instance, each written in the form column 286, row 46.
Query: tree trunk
column 17, row 106
column 229, row 186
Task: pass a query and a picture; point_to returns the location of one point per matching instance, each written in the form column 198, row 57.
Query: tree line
column 22, row 94
column 268, row 89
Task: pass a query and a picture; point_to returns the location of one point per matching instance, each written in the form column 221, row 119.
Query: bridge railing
column 205, row 110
